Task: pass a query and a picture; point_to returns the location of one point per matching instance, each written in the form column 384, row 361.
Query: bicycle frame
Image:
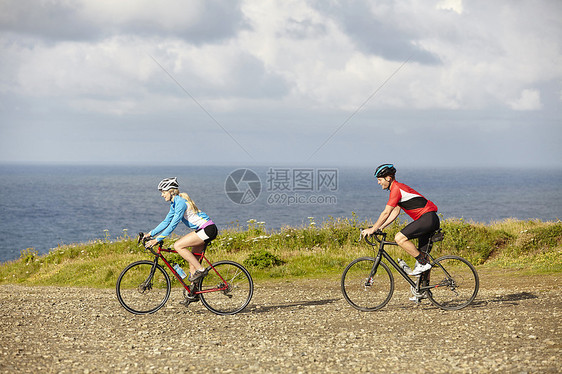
column 382, row 253
column 193, row 290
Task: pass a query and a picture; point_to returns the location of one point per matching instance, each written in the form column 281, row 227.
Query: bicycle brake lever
column 361, row 236
column 143, row 238
column 149, row 248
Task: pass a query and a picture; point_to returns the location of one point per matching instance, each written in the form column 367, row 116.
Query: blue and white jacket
column 179, row 211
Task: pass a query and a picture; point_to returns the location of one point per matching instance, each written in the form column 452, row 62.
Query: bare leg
column 182, row 246
column 406, row 245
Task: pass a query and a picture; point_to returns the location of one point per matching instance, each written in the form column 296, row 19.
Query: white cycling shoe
column 420, row 268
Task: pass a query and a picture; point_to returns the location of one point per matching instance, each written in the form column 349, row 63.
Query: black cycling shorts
column 208, row 233
column 422, row 228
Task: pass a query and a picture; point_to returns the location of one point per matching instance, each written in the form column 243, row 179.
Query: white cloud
column 529, row 100
column 267, row 64
column 454, row 5
column 312, row 53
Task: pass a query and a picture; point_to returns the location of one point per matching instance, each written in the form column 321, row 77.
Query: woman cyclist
column 421, row 210
column 183, row 209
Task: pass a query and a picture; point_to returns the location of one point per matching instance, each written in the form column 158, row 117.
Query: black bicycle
column 368, row 284
column 144, row 286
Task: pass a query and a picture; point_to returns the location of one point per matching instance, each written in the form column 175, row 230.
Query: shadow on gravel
column 297, row 304
column 511, row 298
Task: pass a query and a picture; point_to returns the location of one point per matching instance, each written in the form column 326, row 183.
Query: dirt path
column 289, row 327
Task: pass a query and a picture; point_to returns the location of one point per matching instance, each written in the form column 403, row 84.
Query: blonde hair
column 190, row 203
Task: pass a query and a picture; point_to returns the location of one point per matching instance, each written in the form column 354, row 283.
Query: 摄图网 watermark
column 285, row 186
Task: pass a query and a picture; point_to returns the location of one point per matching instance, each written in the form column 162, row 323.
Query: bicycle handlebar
column 142, row 239
column 375, row 235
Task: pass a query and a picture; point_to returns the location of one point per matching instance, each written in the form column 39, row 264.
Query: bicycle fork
column 146, row 285
column 369, row 281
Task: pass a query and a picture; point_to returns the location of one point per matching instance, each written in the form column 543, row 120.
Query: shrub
column 262, row 259
column 28, row 255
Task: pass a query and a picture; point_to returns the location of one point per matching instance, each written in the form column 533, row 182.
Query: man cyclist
column 421, row 210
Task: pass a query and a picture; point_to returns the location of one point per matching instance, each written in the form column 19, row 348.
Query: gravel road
column 302, row 326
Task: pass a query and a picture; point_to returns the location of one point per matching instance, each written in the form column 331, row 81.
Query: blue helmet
column 385, row 170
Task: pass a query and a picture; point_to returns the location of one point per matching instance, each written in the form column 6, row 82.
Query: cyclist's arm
column 395, row 212
column 384, row 216
column 162, row 225
column 176, row 216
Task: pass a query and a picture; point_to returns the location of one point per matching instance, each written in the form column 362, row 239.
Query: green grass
column 311, row 251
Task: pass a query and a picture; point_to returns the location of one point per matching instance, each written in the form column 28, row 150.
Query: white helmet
column 168, row 183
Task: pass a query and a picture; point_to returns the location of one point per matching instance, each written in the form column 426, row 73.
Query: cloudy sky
column 415, row 82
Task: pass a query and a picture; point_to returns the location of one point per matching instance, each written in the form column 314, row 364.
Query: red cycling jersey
column 412, row 202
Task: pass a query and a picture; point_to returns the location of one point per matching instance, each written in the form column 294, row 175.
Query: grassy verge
column 314, row 251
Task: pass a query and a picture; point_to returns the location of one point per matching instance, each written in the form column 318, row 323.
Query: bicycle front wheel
column 141, row 290
column 454, row 283
column 364, row 290
column 227, row 288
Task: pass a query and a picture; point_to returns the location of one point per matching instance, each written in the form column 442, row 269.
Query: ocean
column 42, row 207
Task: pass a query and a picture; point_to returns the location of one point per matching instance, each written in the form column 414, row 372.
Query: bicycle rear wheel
column 362, row 289
column 227, row 288
column 142, row 291
column 454, row 283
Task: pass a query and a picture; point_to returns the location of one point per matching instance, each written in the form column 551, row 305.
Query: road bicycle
column 143, row 287
column 368, row 284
